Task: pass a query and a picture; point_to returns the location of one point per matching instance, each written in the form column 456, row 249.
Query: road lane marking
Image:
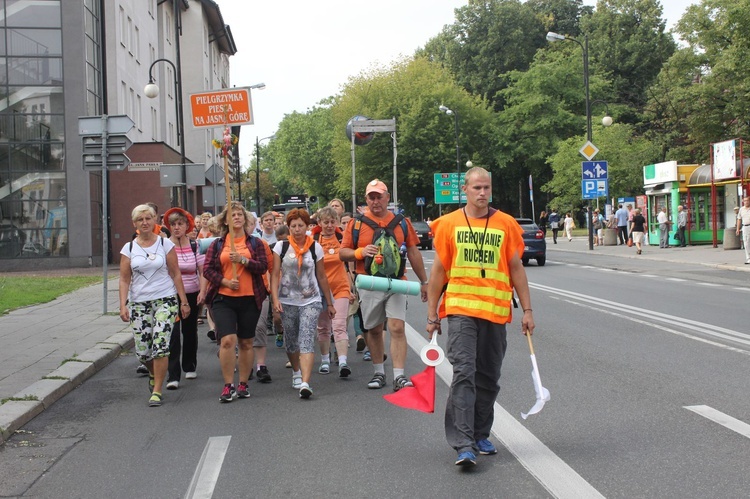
column 708, row 284
column 545, row 466
column 719, row 417
column 207, row 473
column 653, row 315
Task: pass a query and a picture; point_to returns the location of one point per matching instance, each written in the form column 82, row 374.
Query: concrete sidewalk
column 705, row 254
column 47, row 350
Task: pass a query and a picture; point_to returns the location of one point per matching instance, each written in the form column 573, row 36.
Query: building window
column 154, row 129
column 137, row 117
column 123, row 27
column 137, row 45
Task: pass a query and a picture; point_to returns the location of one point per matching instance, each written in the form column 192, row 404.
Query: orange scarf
column 300, row 252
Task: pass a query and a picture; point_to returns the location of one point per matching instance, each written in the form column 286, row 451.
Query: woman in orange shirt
column 338, row 280
column 234, row 268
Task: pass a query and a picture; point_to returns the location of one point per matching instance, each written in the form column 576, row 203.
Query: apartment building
column 64, row 59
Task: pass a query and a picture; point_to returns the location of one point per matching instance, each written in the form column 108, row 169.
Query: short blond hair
column 142, row 208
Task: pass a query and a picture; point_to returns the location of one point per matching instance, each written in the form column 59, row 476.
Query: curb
column 39, row 396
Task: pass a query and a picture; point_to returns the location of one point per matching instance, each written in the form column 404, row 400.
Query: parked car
column 535, row 245
column 424, row 233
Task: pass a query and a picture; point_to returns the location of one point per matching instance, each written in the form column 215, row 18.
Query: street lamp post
column 458, row 150
column 257, row 170
column 152, row 90
column 555, row 37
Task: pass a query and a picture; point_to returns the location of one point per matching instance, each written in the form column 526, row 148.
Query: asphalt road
column 639, row 357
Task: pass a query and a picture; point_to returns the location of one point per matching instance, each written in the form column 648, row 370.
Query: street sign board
column 420, row 201
column 116, row 124
column 364, row 126
column 144, row 166
column 93, row 162
column 115, row 144
column 447, row 187
column 594, row 170
column 593, row 189
column 221, row 107
column 588, row 150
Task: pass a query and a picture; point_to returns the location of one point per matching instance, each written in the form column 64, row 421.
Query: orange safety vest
column 464, row 256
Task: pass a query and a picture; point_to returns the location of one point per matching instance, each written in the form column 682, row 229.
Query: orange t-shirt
column 245, row 278
column 366, row 234
column 335, row 270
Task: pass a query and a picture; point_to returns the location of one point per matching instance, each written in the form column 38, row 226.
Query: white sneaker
column 297, row 382
column 305, row 391
column 191, row 375
column 173, row 385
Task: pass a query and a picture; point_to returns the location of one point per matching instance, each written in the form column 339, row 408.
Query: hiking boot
column 344, row 370
column 400, row 382
column 242, row 391
column 262, row 375
column 228, row 393
column 486, row 448
column 325, row 368
column 466, row 459
column 377, row 381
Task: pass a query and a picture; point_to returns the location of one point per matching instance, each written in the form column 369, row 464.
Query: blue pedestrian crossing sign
column 593, row 189
column 420, row 201
column 594, row 170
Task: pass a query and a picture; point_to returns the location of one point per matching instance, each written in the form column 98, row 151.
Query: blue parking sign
column 592, row 189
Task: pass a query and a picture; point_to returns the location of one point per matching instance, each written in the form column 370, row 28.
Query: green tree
column 488, row 39
column 629, row 44
column 300, row 155
column 700, row 95
column 410, row 91
column 560, row 16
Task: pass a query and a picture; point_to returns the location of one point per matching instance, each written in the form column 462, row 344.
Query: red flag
column 421, row 396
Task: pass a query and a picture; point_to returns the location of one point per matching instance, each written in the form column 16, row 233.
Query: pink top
column 189, row 264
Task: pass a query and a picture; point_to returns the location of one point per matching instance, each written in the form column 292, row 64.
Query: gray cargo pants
column 476, row 348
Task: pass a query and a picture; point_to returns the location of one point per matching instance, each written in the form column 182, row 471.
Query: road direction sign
column 116, row 144
column 447, row 188
column 588, row 150
column 93, row 162
column 593, row 189
column 594, row 170
column 116, row 124
column 220, row 107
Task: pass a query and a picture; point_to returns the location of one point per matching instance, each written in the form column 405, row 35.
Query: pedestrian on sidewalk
column 663, row 222
column 681, row 225
column 637, row 228
column 180, row 222
column 542, row 222
column 150, row 286
column 598, row 223
column 743, row 224
column 554, row 224
column 479, row 273
column 622, row 224
column 569, row 226
column 235, row 294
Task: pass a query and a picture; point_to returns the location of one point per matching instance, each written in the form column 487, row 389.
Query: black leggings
column 188, row 329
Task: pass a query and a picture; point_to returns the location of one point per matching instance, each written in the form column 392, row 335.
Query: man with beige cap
column 377, row 306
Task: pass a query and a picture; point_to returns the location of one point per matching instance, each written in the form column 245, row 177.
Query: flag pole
column 226, row 144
